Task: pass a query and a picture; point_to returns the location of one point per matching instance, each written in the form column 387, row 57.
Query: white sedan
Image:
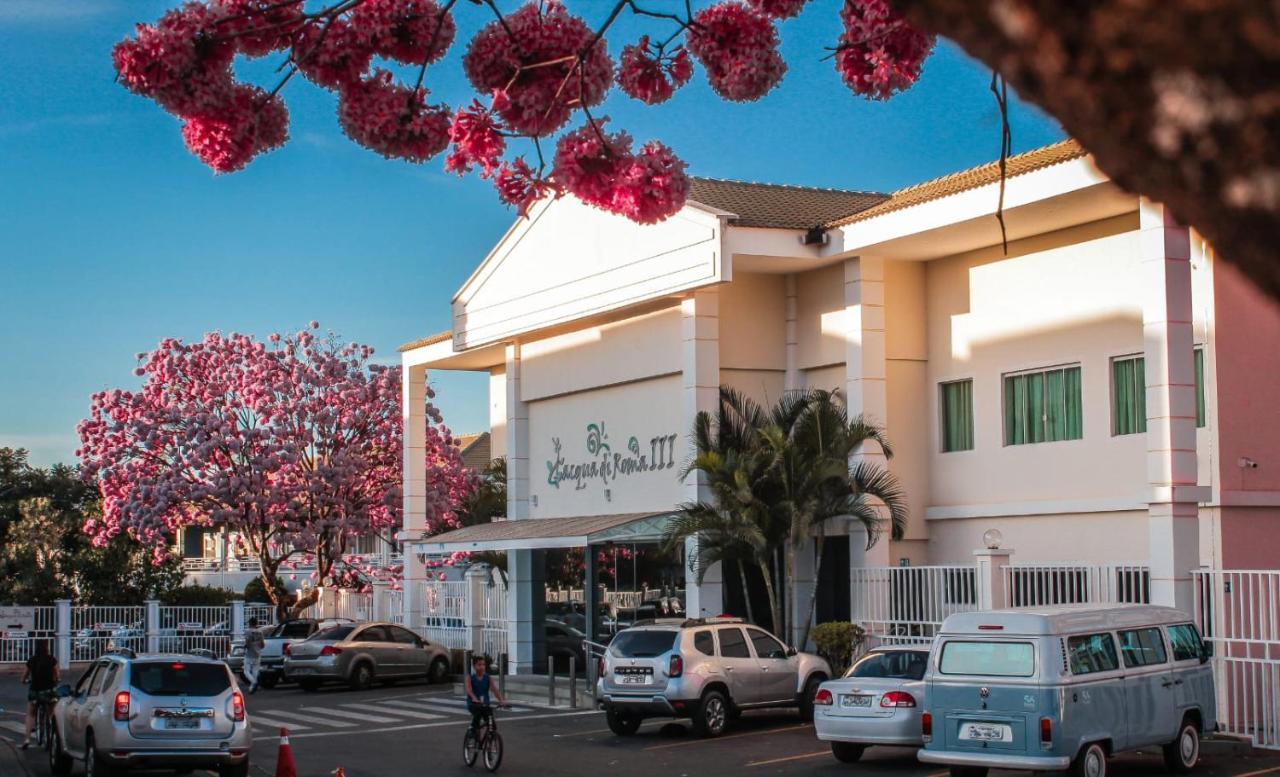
column 877, row 702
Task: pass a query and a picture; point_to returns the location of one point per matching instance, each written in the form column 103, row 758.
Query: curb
column 1225, row 746
column 9, row 753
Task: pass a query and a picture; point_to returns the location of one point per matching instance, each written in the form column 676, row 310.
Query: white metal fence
column 1037, row 585
column 354, row 605
column 18, row 638
column 444, row 612
column 494, row 618
column 908, row 604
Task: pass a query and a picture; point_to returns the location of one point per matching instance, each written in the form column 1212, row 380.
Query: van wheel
column 847, row 752
column 1091, row 762
column 624, row 724
column 712, row 715
column 806, row 698
column 1181, row 755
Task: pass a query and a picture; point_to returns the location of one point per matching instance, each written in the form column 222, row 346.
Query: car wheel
column 361, row 676
column 268, row 681
column 712, row 715
column 234, row 770
column 1182, row 754
column 806, row 698
column 847, row 752
column 94, row 765
column 310, row 686
column 59, row 761
column 1091, row 762
column 439, row 671
column 622, row 723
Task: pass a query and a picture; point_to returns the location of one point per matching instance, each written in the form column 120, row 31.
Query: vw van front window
column 989, row 658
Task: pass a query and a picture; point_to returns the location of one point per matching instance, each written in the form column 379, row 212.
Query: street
column 417, row 729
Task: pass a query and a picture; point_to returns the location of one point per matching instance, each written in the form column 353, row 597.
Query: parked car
column 564, row 642
column 359, row 654
column 275, row 639
column 128, row 638
column 152, row 711
column 877, row 702
column 93, row 640
column 704, row 669
column 1066, row 687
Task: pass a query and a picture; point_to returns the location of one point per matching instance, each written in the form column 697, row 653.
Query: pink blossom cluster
column 520, row 186
column 738, row 46
column 651, row 75
column 601, row 170
column 259, row 27
column 410, row 31
column 393, row 119
column 513, row 55
column 294, row 444
column 476, row 133
column 779, row 9
column 879, row 53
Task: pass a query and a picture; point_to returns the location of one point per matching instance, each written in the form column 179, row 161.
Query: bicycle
column 486, row 740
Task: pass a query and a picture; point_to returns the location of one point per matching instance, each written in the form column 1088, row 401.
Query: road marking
column 731, row 736
column 441, row 708
column 788, row 758
column 268, row 721
column 455, row 722
column 287, row 714
column 405, row 713
column 348, row 714
column 1259, row 772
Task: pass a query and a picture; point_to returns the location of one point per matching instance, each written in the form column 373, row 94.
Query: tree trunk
column 775, row 612
column 1177, row 100
column 819, row 542
column 746, row 592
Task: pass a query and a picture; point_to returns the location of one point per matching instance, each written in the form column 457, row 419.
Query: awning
column 542, row 533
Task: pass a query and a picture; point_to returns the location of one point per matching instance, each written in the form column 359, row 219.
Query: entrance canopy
column 544, row 533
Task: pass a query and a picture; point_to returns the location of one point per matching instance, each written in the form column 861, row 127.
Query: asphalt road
column 415, row 729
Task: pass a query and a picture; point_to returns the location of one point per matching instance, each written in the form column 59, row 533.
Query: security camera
column 1247, row 463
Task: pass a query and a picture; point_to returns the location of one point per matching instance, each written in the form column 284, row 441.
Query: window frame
column 752, row 631
column 942, row 416
column 1043, row 371
column 711, row 639
column 1173, row 650
column 1124, row 655
column 1111, row 642
column 1141, row 395
column 746, row 643
column 942, row 654
column 1198, row 366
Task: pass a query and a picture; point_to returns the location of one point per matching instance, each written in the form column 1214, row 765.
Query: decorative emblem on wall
column 603, row 465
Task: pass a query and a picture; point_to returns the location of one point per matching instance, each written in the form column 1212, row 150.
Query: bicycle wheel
column 42, row 725
column 470, row 749
column 493, row 752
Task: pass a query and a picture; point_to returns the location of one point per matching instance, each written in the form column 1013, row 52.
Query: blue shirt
column 480, row 687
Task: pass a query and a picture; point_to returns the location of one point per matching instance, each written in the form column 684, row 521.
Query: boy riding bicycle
column 479, row 684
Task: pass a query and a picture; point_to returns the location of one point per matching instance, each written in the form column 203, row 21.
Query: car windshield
column 895, row 664
column 642, row 643
column 996, row 659
column 177, row 678
column 333, row 633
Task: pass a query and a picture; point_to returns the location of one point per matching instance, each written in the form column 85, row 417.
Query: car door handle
column 728, row 669
column 1177, row 682
column 1167, row 683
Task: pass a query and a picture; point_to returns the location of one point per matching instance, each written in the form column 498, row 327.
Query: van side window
column 1142, row 647
column 1089, row 653
column 1185, row 641
column 704, row 643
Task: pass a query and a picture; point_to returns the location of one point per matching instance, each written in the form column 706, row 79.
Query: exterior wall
column 1076, row 538
column 906, row 365
column 821, row 319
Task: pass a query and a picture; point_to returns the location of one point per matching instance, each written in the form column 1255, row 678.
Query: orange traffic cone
column 284, row 759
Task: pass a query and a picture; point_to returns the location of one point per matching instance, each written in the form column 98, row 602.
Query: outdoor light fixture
column 992, row 538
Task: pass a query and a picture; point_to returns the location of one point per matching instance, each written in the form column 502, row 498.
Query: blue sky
column 112, row 236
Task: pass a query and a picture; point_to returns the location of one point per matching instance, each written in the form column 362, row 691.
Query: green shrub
column 255, row 591
column 198, row 595
column 837, row 641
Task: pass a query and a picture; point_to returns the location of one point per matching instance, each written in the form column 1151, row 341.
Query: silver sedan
column 877, row 702
column 360, row 654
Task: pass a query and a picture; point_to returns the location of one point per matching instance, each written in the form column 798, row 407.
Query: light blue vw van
column 1065, row 687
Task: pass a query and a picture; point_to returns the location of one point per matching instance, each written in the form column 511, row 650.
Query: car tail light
column 677, row 666
column 287, row 651
column 1046, row 733
column 330, row 650
column 897, row 699
column 823, row 696
column 237, row 706
column 600, row 666
column 926, row 726
column 121, row 711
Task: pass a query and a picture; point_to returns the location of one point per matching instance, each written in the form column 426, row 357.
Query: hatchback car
column 360, row 654
column 877, row 702
column 170, row 711
column 704, row 669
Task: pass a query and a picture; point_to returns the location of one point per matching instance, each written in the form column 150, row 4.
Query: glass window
column 373, row 634
column 86, row 680
column 997, row 659
column 294, row 630
column 402, row 636
column 894, row 664
column 176, row 678
column 733, row 644
column 1199, row 360
column 1185, row 642
column 766, row 646
column 333, row 633
column 1089, row 653
column 1142, row 647
column 642, row 643
column 99, row 679
column 957, row 416
column 1128, row 395
column 1043, row 406
column 704, row 643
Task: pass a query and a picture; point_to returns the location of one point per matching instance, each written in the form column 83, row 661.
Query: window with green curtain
column 1128, row 395
column 1199, row 358
column 1043, row 406
column 957, row 416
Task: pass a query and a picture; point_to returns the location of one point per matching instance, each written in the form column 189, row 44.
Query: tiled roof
column 475, row 450
column 439, row 337
column 964, row 180
column 778, row 206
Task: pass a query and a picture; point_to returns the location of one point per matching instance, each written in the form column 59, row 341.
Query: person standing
column 43, row 674
column 253, row 645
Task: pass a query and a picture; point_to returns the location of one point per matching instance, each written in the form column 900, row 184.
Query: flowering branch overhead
column 532, row 70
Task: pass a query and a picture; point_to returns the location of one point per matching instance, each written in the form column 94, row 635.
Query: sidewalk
column 12, row 761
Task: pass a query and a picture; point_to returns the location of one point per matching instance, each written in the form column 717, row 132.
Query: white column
column 865, row 379
column 413, row 411
column 791, row 380
column 476, row 577
column 153, row 625
column 517, row 438
column 524, row 598
column 990, row 564
column 1173, row 501
column 700, row 389
column 62, row 633
column 381, row 605
column 237, row 620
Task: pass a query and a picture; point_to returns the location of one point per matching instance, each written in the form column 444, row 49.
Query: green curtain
column 1035, row 407
column 1199, row 359
column 1129, row 396
column 1055, row 410
column 1075, row 409
column 957, row 411
column 1015, row 403
column 1043, row 407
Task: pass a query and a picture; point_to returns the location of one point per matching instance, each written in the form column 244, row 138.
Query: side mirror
column 1206, row 651
column 791, row 652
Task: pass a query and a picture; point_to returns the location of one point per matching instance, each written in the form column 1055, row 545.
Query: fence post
column 573, row 681
column 237, row 620
column 381, row 609
column 476, row 576
column 153, row 625
column 990, row 563
column 551, row 681
column 62, row 633
column 327, row 602
column 502, row 675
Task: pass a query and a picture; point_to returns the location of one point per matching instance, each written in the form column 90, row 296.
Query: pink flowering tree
column 294, row 444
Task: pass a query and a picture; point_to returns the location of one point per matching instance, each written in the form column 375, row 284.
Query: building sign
column 17, row 619
column 598, row 463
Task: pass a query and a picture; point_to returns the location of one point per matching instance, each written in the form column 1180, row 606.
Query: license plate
column 986, row 732
column 850, row 700
column 300, row 670
column 632, row 679
column 182, row 723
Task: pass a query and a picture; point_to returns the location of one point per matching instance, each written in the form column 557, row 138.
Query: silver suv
column 704, row 669
column 175, row 711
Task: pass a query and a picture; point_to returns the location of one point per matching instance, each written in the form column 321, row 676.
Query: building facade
column 1095, row 390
